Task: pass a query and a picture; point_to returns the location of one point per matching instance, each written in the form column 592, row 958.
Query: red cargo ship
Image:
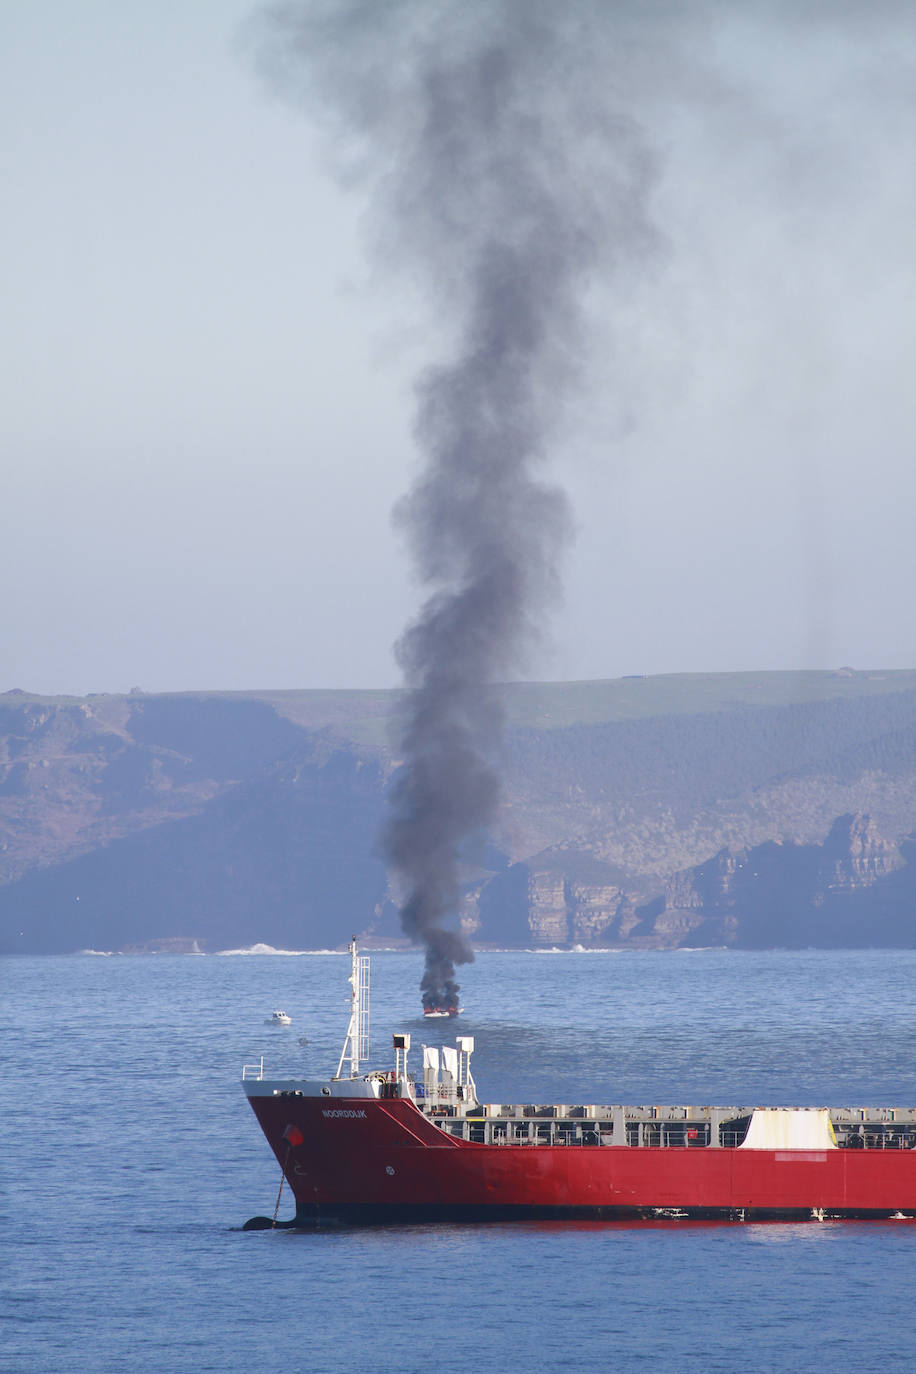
column 385, row 1146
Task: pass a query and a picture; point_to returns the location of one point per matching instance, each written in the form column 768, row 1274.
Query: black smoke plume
column 502, row 169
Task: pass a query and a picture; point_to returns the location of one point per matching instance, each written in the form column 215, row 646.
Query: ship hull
column 365, row 1160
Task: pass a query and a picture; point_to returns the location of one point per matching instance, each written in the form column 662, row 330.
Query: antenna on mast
column 356, row 1044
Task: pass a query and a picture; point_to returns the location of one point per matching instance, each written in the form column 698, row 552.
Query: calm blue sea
column 130, row 1160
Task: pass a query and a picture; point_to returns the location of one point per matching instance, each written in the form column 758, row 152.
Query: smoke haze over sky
column 504, row 170
column 207, row 382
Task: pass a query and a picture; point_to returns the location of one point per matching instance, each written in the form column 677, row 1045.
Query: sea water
column 130, row 1161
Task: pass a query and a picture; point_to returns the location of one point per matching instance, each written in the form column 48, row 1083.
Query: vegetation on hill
column 237, row 817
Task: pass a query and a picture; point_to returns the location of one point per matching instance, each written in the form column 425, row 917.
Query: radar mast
column 356, row 1044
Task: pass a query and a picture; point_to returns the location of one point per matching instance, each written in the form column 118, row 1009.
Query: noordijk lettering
column 347, row 1112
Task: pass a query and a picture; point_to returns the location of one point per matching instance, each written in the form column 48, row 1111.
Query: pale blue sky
column 205, row 388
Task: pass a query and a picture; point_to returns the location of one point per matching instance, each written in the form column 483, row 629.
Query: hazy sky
column 207, row 375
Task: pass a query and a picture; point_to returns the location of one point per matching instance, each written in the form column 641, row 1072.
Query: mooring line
column 280, row 1191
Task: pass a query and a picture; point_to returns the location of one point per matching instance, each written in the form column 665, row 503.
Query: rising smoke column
column 502, row 170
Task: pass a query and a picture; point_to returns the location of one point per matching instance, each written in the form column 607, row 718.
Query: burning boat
column 388, row 1145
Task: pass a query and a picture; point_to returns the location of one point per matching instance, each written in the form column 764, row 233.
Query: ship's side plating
column 367, row 1150
column 384, row 1146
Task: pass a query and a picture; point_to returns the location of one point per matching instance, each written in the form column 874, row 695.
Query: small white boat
column 280, row 1018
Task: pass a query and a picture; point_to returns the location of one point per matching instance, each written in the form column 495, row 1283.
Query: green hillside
column 254, row 816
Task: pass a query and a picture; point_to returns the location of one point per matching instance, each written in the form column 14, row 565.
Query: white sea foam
column 269, row 949
column 697, row 949
column 576, row 949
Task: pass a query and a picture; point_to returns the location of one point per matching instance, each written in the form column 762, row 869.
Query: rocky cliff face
column 855, row 857
column 162, row 822
column 857, row 889
column 77, row 775
column 567, row 909
column 237, row 819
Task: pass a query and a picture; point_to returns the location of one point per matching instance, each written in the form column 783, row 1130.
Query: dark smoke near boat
column 502, row 169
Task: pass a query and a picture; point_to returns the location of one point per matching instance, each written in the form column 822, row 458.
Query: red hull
column 365, row 1159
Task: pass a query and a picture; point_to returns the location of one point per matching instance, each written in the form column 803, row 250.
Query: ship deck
column 684, row 1127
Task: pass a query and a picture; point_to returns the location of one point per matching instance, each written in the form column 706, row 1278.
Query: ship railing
column 673, row 1127
column 877, row 1136
column 254, row 1071
column 434, row 1098
column 573, row 1134
column 843, row 1116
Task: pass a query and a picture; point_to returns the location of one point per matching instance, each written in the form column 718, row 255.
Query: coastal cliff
column 746, row 810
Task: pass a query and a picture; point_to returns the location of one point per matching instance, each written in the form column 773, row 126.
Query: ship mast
column 356, row 1044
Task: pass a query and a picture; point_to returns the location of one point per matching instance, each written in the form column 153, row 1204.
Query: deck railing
column 642, row 1133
